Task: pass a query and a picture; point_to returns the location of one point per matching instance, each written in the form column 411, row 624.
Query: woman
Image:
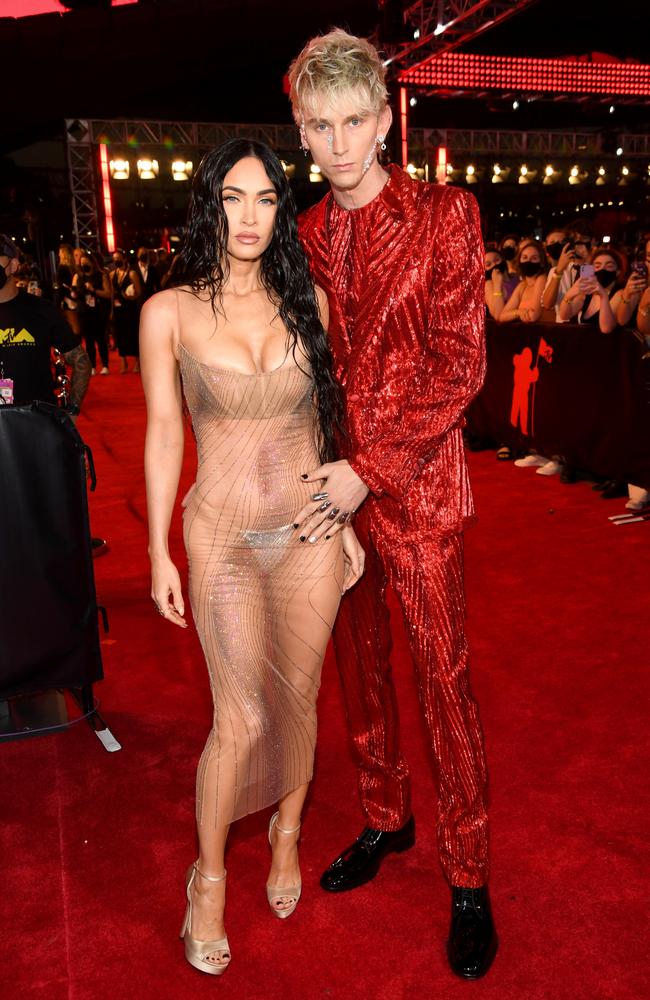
column 65, row 295
column 127, row 294
column 93, row 290
column 508, row 250
column 495, row 267
column 525, row 303
column 240, row 336
column 590, row 300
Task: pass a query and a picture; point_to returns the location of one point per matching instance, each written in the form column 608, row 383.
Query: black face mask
column 554, row 250
column 509, row 253
column 86, row 268
column 605, row 278
column 495, row 267
column 530, row 268
column 119, row 264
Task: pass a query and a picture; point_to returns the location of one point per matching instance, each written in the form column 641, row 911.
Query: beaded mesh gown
column 264, row 603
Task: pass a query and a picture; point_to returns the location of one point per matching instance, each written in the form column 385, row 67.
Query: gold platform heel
column 277, row 892
column 196, row 952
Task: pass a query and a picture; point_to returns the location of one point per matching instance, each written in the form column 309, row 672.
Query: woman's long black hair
column 203, row 265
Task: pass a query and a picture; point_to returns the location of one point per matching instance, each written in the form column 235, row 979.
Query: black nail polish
column 327, row 538
column 295, row 526
column 303, row 538
column 304, row 475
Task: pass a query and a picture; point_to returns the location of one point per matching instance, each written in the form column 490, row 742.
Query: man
column 148, row 274
column 575, row 251
column 29, row 328
column 402, row 265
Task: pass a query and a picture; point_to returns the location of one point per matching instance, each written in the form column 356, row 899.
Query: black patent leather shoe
column 472, row 942
column 360, row 862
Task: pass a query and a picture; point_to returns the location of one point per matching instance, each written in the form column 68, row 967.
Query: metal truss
column 510, row 143
column 184, row 135
column 442, row 25
column 83, row 185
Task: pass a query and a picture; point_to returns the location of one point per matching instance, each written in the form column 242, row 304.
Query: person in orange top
column 402, row 265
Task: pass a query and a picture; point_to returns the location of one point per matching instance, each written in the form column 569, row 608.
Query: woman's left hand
column 354, row 557
column 339, row 492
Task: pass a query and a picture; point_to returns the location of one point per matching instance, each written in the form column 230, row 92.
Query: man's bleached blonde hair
column 333, row 68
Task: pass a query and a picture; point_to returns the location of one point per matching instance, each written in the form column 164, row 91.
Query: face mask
column 509, row 253
column 86, row 268
column 529, row 268
column 605, row 278
column 119, row 264
column 554, row 250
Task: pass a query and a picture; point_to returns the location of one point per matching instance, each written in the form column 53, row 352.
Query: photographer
column 575, row 252
column 29, row 328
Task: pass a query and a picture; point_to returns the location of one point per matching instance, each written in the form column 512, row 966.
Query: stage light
column 413, row 101
column 549, row 171
column 315, row 174
column 147, row 169
column 439, row 28
column 619, row 151
column 625, row 171
column 496, row 169
column 119, row 170
column 515, row 105
column 182, row 170
column 441, row 165
column 606, row 239
column 612, row 109
column 574, row 171
column 450, row 169
column 601, row 171
column 416, row 34
column 411, row 169
column 471, row 170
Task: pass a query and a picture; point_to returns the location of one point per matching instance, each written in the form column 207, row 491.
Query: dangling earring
column 303, row 139
column 367, row 163
column 380, row 141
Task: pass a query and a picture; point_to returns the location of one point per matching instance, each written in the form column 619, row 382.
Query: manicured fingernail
column 327, row 538
column 302, row 538
column 295, row 525
column 313, row 538
column 304, row 475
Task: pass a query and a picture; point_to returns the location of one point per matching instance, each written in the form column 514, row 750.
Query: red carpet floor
column 95, row 845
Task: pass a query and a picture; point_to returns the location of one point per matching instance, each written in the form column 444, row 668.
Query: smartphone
column 587, row 270
column 640, row 269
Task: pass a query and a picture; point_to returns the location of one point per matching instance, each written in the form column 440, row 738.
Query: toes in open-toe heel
column 289, row 894
column 198, row 952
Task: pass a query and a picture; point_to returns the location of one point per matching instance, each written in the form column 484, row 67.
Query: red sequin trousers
column 427, row 576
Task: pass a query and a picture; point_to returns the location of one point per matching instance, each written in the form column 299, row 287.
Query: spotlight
column 515, row 105
column 182, row 170
column 119, row 170
column 413, row 101
column 147, row 169
column 549, row 171
column 411, row 169
column 612, row 109
column 619, row 151
column 315, row 174
column 471, row 170
column 496, row 169
column 601, row 171
column 625, row 171
column 574, row 171
column 438, row 30
column 606, row 239
column 416, row 34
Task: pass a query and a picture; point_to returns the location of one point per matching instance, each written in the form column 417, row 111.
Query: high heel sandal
column 197, row 952
column 277, row 892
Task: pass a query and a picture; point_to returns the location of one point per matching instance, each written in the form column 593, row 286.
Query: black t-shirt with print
column 29, row 328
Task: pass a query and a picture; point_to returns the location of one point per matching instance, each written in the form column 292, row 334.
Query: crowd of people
column 570, row 277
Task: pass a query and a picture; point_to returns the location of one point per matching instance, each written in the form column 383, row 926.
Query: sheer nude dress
column 264, row 602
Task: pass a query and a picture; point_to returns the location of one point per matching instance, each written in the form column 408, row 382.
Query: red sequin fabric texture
column 404, row 279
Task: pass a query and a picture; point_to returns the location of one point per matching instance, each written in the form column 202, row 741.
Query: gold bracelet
column 498, row 293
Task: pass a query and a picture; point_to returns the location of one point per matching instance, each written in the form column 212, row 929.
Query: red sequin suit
column 404, row 278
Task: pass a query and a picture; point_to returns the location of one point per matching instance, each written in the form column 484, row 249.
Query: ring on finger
column 343, row 518
column 320, row 496
column 324, row 506
column 334, row 511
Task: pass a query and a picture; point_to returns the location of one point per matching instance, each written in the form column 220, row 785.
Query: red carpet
column 95, row 845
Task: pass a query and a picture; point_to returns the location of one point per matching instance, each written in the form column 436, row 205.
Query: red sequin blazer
column 404, row 277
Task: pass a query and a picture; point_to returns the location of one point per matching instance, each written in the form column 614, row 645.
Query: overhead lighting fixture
column 625, row 171
column 549, row 170
column 601, row 171
column 515, row 105
column 471, row 169
column 147, row 169
column 413, row 101
column 439, row 28
column 119, row 170
column 416, row 34
column 619, row 151
column 612, row 109
column 182, row 170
